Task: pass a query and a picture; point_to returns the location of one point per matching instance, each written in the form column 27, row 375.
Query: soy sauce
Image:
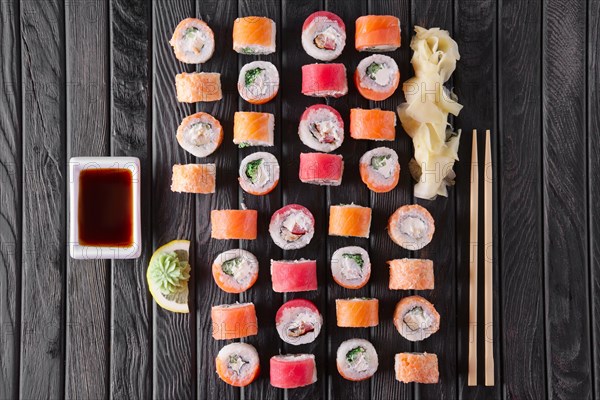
column 105, row 207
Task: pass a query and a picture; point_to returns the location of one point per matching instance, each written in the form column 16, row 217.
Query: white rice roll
column 200, row 134
column 292, row 227
column 377, row 77
column 193, row 41
column 357, row 359
column 258, row 82
column 298, row 321
column 379, row 169
column 351, row 267
column 324, row 36
column 238, row 364
column 259, row 173
column 321, row 128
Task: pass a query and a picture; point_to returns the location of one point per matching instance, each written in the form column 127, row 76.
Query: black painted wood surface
column 96, row 77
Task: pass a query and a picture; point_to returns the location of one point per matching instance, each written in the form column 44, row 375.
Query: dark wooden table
column 96, row 77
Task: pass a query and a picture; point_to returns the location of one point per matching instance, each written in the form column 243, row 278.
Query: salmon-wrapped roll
column 379, row 169
column 417, row 367
column 357, row 312
column 234, row 321
column 377, row 77
column 253, row 128
column 416, row 319
column 198, row 87
column 194, row 178
column 377, row 33
column 233, row 224
column 254, row 35
column 200, row 134
column 372, row 124
column 193, row 41
column 411, row 227
column 349, row 220
column 238, row 364
column 411, row 274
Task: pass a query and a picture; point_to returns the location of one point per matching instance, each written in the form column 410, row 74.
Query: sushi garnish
column 168, row 275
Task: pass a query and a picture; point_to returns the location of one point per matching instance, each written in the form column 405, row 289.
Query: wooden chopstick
column 489, row 263
column 472, row 372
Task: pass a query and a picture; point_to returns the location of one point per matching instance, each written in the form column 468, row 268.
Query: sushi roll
column 323, row 35
column 294, row 276
column 373, row 124
column 411, row 274
column 259, row 173
column 298, row 322
column 324, row 80
column 351, row 267
column 357, row 312
column 233, row 224
column 377, row 77
column 357, row 360
column 349, row 220
column 193, row 41
column 377, row 33
column 416, row 367
column 253, row 129
column 379, row 169
column 200, row 134
column 198, row 87
column 194, row 178
column 258, row 82
column 321, row 169
column 292, row 227
column 254, row 35
column 233, row 321
column 235, row 271
column 321, row 128
column 238, row 364
column 292, row 371
column 411, row 227
column 415, row 318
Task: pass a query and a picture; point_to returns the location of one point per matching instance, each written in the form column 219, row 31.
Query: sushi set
column 321, row 128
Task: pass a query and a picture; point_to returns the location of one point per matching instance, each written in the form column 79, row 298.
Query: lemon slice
column 178, row 301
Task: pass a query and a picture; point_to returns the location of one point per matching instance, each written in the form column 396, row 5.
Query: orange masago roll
column 198, row 86
column 234, row 321
column 411, row 274
column 377, row 33
column 233, row 224
column 357, row 312
column 349, row 220
column 373, row 124
column 417, row 367
column 194, row 178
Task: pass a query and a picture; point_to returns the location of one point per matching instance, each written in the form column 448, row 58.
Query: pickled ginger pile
column 424, row 116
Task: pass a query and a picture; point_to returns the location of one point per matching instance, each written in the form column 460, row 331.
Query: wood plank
column 442, row 249
column 475, row 84
column 173, row 216
column 593, row 113
column 565, row 200
column 267, row 302
column 352, row 190
column 44, row 201
column 131, row 342
column 219, row 16
column 10, row 198
column 520, row 201
column 385, row 337
column 88, row 133
column 293, row 105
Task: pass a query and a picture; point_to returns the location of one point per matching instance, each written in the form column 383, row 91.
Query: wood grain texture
column 88, row 134
column 293, row 105
column 593, row 126
column 131, row 342
column 475, row 84
column 44, row 201
column 565, row 201
column 10, row 198
column 442, row 250
column 267, row 302
column 519, row 171
column 173, row 216
column 352, row 190
column 385, row 337
column 219, row 16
